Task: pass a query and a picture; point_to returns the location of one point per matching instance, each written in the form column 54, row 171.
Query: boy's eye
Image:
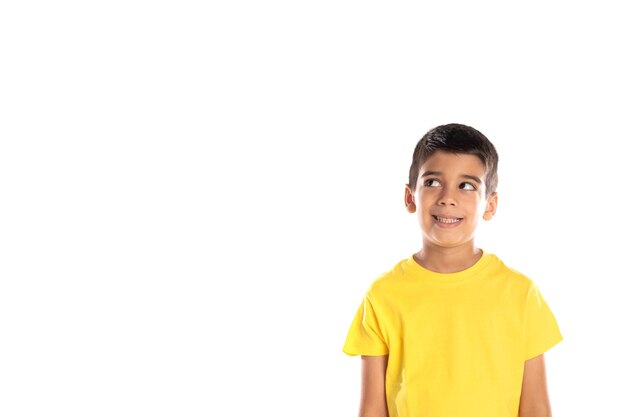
column 467, row 186
column 431, row 182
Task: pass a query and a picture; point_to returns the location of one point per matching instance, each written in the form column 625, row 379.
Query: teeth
column 446, row 220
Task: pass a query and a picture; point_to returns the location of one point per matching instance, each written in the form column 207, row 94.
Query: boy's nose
column 446, row 199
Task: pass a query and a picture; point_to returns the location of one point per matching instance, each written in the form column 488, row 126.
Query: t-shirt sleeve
column 540, row 326
column 365, row 336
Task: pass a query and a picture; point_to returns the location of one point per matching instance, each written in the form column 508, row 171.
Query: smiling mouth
column 447, row 219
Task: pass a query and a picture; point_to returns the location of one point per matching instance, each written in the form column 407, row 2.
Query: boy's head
column 460, row 139
column 452, row 184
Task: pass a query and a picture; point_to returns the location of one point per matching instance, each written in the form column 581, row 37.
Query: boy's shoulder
column 392, row 278
column 511, row 273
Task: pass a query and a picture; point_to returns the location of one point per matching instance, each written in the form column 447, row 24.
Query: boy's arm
column 373, row 397
column 534, row 401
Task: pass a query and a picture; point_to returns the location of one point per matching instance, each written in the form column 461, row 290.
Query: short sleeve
column 365, row 336
column 540, row 326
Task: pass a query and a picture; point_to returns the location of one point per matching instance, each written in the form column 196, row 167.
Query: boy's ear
column 409, row 199
column 492, row 205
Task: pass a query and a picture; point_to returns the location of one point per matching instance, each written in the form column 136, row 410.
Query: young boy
column 451, row 331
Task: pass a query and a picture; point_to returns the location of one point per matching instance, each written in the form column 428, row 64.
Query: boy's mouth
column 447, row 220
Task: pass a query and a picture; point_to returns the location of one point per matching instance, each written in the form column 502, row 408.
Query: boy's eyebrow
column 471, row 177
column 438, row 173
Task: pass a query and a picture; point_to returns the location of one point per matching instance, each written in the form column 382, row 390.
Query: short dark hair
column 456, row 138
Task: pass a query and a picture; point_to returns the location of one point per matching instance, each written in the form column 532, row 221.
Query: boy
column 451, row 331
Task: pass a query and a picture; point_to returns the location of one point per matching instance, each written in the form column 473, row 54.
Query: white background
column 194, row 197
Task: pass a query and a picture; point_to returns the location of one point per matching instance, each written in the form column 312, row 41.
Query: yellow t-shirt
column 456, row 342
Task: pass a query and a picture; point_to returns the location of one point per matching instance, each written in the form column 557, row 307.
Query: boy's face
column 450, row 199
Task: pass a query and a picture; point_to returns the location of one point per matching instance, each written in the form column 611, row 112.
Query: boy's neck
column 447, row 260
